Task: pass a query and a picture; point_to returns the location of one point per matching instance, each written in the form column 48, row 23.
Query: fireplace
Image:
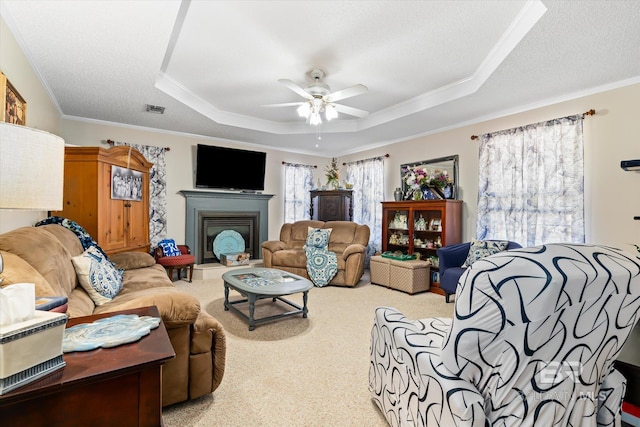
column 246, row 213
column 247, row 224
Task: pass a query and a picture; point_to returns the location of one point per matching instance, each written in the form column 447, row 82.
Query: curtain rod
column 111, row 142
column 299, row 164
column 364, row 160
column 591, row 112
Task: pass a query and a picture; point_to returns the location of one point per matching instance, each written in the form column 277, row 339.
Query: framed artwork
column 447, row 164
column 14, row 107
column 126, row 184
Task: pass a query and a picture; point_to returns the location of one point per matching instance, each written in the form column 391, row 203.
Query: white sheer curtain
column 531, row 183
column 298, row 181
column 367, row 178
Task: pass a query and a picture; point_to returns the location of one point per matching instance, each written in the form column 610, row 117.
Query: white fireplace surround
column 199, row 202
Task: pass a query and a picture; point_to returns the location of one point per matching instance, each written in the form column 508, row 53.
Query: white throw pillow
column 97, row 275
column 483, row 248
column 318, row 237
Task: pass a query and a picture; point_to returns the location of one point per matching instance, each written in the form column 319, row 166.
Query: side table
column 628, row 363
column 104, row 387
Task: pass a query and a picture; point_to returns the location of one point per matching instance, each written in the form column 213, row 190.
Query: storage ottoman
column 379, row 270
column 409, row 276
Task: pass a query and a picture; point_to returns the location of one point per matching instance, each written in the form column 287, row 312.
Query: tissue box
column 31, row 349
column 236, row 258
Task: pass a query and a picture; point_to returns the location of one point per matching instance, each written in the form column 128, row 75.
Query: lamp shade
column 31, row 168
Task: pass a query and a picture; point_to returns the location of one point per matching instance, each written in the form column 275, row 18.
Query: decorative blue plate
column 228, row 242
column 108, row 332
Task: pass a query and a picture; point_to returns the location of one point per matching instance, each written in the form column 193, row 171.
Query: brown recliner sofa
column 347, row 239
column 42, row 255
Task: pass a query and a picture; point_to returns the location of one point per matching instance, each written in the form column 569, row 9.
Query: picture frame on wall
column 126, row 184
column 448, row 164
column 14, row 107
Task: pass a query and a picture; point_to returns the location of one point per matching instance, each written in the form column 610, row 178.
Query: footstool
column 409, row 276
column 178, row 262
column 379, row 270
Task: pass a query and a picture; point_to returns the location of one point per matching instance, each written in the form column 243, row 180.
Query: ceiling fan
column 319, row 98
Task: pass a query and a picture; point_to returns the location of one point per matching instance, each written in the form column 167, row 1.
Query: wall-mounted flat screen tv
column 229, row 168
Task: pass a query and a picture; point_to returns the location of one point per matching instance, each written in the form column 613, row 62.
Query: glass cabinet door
column 427, row 232
column 398, row 235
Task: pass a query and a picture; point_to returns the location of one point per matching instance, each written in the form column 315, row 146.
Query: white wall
column 181, row 165
column 612, row 135
column 41, row 112
column 612, row 196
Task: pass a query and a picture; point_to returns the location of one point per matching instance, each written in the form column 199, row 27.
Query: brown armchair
column 348, row 240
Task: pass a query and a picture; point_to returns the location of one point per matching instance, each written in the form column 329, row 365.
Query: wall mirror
column 448, row 164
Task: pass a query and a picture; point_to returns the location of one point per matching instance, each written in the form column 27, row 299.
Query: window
column 298, row 181
column 531, row 183
column 367, row 178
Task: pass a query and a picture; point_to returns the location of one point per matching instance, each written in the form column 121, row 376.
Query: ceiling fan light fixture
column 319, row 98
column 315, row 119
column 304, row 110
column 330, row 112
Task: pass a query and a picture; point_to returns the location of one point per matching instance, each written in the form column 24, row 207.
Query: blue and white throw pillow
column 483, row 248
column 97, row 275
column 318, row 237
column 169, row 247
column 322, row 264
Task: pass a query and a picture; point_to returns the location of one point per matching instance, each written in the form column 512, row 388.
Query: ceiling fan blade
column 347, row 93
column 351, row 111
column 294, row 87
column 285, row 104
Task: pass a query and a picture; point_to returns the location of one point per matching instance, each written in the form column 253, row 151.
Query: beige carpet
column 295, row 371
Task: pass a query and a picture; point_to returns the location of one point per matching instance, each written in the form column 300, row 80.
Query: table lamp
column 31, row 169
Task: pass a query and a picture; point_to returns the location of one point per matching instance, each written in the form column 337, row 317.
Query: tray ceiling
column 428, row 65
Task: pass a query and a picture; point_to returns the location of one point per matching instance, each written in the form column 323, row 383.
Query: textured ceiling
column 428, row 65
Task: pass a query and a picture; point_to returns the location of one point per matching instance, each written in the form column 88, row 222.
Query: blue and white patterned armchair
column 532, row 342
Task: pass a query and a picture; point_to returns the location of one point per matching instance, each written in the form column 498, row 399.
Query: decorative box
column 235, row 258
column 409, row 276
column 31, row 349
column 379, row 270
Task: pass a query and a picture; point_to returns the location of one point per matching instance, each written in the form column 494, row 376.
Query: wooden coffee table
column 259, row 283
column 119, row 386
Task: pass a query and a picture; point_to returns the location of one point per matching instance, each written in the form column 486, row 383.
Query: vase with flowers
column 332, row 174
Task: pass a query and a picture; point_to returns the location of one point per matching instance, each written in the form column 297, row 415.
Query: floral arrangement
column 416, row 178
column 332, row 174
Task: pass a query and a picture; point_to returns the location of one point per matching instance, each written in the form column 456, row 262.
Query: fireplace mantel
column 224, row 195
column 220, row 201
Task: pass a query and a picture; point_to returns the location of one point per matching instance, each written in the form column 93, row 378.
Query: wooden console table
column 120, row 386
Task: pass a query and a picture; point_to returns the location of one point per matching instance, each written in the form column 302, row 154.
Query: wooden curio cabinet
column 117, row 225
column 421, row 227
column 333, row 205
